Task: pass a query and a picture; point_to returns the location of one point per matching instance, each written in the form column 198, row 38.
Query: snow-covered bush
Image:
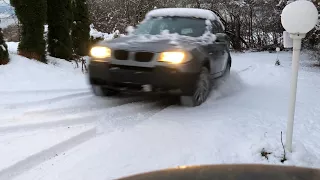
column 96, row 36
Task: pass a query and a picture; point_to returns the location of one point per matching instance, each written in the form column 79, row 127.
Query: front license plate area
column 147, row 88
column 132, row 76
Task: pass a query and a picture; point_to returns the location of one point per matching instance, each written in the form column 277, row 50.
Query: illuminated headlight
column 100, row 52
column 174, row 57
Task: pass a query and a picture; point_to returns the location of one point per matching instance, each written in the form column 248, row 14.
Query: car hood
column 231, row 172
column 155, row 43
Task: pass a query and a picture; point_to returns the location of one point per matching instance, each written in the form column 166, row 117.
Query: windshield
column 184, row 26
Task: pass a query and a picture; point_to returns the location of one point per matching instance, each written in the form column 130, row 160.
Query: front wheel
column 201, row 92
column 101, row 91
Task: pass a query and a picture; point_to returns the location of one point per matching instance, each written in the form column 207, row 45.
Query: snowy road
column 55, row 130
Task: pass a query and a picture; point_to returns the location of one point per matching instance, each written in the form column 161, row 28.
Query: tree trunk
column 237, row 43
column 198, row 4
column 251, row 26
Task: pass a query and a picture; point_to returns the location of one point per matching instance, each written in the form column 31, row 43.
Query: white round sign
column 299, row 17
column 278, row 49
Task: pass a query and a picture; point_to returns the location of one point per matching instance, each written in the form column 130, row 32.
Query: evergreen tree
column 4, row 55
column 80, row 27
column 32, row 15
column 59, row 28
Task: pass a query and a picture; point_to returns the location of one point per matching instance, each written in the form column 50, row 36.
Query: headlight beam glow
column 173, row 57
column 100, row 52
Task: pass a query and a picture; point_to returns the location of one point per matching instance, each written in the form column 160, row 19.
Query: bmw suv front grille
column 143, row 56
column 121, row 54
column 137, row 56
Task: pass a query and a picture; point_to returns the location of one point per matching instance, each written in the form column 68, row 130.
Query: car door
column 221, row 44
column 216, row 52
column 213, row 51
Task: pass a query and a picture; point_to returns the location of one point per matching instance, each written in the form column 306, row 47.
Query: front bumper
column 180, row 78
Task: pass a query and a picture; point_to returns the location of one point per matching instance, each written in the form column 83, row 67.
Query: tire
column 101, row 91
column 201, row 92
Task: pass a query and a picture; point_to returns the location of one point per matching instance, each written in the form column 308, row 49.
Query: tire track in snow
column 44, row 91
column 82, row 118
column 124, row 108
column 251, row 68
column 36, row 159
column 47, row 125
column 47, row 101
column 87, row 106
column 127, row 118
column 244, row 70
column 121, row 119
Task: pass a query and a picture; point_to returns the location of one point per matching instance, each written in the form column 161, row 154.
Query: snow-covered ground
column 52, row 127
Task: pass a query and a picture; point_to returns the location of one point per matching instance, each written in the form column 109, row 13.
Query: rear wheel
column 201, row 92
column 101, row 91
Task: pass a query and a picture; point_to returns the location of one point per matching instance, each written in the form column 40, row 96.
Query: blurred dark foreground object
column 231, row 172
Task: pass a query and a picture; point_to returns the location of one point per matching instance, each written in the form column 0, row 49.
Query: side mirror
column 221, row 37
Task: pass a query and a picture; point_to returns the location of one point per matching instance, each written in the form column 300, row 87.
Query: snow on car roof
column 184, row 12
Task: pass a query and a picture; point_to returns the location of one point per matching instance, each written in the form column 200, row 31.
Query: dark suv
column 174, row 50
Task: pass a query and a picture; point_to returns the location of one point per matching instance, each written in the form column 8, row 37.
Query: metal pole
column 294, row 81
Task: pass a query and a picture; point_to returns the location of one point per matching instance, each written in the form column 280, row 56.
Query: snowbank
column 13, row 47
column 300, row 156
column 22, row 74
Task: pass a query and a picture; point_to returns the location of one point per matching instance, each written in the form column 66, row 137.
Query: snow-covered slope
column 132, row 134
column 22, row 74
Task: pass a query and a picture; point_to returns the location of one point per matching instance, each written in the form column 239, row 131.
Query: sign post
column 297, row 18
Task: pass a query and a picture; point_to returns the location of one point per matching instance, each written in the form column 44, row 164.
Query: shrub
column 80, row 27
column 4, row 55
column 32, row 15
column 59, row 27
